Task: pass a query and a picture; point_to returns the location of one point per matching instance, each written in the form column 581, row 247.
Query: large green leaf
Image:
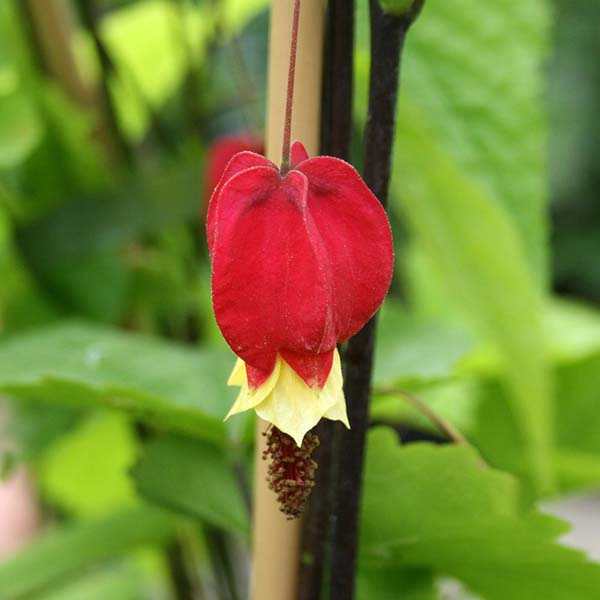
column 469, row 176
column 479, row 257
column 195, row 478
column 414, row 353
column 391, row 584
column 475, row 71
column 122, row 583
column 67, row 551
column 396, row 7
column 437, row 507
column 78, row 474
column 169, row 385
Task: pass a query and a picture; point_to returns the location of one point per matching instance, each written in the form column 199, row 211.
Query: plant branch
column 387, row 40
column 444, row 427
column 89, row 11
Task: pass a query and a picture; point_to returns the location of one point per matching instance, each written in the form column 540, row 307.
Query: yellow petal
column 248, row 398
column 295, row 408
column 338, row 412
column 238, row 375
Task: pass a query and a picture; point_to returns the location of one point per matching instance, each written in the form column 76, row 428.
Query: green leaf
column 392, row 584
column 396, row 7
column 82, row 364
column 80, row 476
column 142, row 205
column 436, row 507
column 573, row 330
column 66, row 551
column 21, row 129
column 479, row 257
column 195, row 478
column 485, row 115
column 414, row 353
column 577, row 401
column 466, row 121
column 122, row 583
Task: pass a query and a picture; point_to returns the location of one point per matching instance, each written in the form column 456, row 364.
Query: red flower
column 221, row 152
column 300, row 263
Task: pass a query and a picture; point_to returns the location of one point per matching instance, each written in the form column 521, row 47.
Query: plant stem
column 287, row 130
column 387, row 39
column 336, row 124
column 184, row 585
column 89, row 11
column 443, row 426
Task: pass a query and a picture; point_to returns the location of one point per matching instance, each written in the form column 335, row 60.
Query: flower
column 300, row 262
column 220, row 153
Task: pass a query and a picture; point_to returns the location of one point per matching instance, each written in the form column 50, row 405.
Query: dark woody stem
column 387, row 40
column 287, row 128
column 336, row 126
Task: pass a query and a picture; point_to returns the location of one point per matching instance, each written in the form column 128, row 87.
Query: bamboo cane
column 276, row 540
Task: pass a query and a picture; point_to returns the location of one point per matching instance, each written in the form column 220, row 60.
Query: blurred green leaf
column 144, row 204
column 151, row 33
column 67, row 551
column 83, row 364
column 21, row 301
column 195, row 478
column 577, row 405
column 573, row 330
column 436, row 507
column 85, row 472
column 414, row 353
column 392, row 584
column 121, row 583
column 95, row 286
column 35, row 426
column 20, row 129
column 483, row 114
column 479, row 257
column 396, row 7
column 466, row 120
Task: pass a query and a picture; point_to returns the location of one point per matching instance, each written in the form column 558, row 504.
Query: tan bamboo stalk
column 276, row 551
column 52, row 20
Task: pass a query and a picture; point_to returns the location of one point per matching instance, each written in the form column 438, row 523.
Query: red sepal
column 300, row 262
column 298, row 154
column 221, row 151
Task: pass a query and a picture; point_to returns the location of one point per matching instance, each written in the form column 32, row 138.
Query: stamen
column 291, row 471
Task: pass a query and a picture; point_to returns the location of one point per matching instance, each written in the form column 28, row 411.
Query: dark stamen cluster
column 291, row 469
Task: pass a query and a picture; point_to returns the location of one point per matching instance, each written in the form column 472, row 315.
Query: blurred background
column 116, row 120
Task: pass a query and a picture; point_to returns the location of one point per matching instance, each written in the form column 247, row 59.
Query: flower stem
column 387, row 40
column 287, row 129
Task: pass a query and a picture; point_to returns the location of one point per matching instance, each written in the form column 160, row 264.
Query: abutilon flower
column 221, row 151
column 300, row 262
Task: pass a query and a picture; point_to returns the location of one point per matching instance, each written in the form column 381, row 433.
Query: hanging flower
column 300, row 262
column 219, row 154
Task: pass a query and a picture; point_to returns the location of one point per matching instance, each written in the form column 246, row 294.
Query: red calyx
column 221, row 151
column 300, row 262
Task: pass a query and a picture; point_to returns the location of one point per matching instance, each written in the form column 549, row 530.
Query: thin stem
column 185, row 586
column 387, row 40
column 287, row 130
column 89, row 16
column 444, row 427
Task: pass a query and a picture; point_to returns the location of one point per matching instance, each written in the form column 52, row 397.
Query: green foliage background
column 112, row 369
